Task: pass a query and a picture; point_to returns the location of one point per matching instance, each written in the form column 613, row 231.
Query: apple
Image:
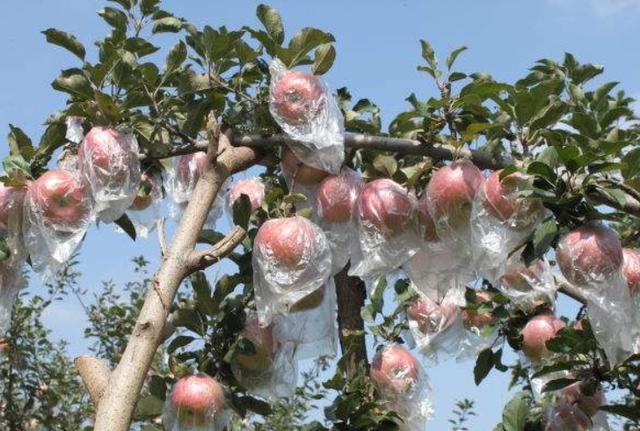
column 386, row 206
column 106, row 153
column 60, row 197
column 196, row 399
column 521, row 278
column 592, row 252
column 263, row 342
column 309, row 302
column 253, row 188
column 301, row 174
column 426, row 221
column 148, row 187
column 567, row 417
column 287, row 242
column 297, row 97
column 395, row 370
column 4, row 346
column 502, row 200
column 472, row 318
column 336, row 197
column 573, row 394
column 631, row 269
column 11, row 199
column 451, row 192
column 536, row 333
column 431, row 316
column 189, row 168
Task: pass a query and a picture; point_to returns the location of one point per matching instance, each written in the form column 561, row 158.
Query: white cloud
column 601, row 8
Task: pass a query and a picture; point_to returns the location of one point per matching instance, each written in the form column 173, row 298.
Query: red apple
column 253, row 188
column 426, row 221
column 567, row 417
column 11, row 199
column 474, row 318
column 395, row 370
column 189, row 168
column 146, row 190
column 264, row 344
column 336, row 197
column 60, row 197
column 631, row 269
column 521, row 278
column 196, row 399
column 592, row 252
column 297, row 97
column 431, row 316
column 503, row 203
column 573, row 394
column 309, row 302
column 302, row 174
column 287, row 242
column 536, row 333
column 106, row 152
column 386, row 206
column 451, row 191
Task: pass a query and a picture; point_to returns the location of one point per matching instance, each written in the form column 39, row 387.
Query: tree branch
column 95, row 375
column 118, row 402
column 199, row 260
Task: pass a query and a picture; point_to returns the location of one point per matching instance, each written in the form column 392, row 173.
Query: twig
column 199, row 260
column 95, row 375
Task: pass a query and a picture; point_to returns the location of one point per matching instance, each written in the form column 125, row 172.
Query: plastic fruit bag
column 108, row 162
column 196, row 403
column 57, row 212
column 301, row 178
column 145, row 210
column 308, row 113
column 527, row 287
column 291, row 259
column 253, row 188
column 403, row 384
column 389, row 232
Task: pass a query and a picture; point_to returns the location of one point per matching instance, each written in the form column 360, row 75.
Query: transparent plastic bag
column 591, row 258
column 270, row 369
column 196, row 403
column 306, row 111
column 566, row 417
column 145, row 210
column 527, row 287
column 291, row 259
column 403, row 384
column 389, row 232
column 479, row 326
column 310, row 325
column 301, row 179
column 75, row 132
column 335, row 207
column 253, row 188
column 57, row 212
column 501, row 221
column 108, row 162
column 181, row 180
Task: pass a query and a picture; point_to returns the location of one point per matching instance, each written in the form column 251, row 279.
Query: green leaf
column 385, row 164
column 74, row 82
column 456, row 76
column 514, row 415
column 324, row 58
column 177, row 55
column 302, row 43
column 270, row 18
column 169, row 24
column 178, row 342
column 52, row 139
column 115, row 18
column 549, row 116
column 544, row 235
column 140, row 46
column 451, row 58
column 125, row 224
column 127, row 4
column 557, row 384
column 16, row 164
column 631, row 164
column 147, row 7
column 19, row 143
column 484, row 364
column 149, row 406
column 5, row 253
column 429, row 54
column 108, row 106
column 202, row 290
column 242, row 211
column 622, row 410
column 66, row 41
column 475, row 129
column 543, row 170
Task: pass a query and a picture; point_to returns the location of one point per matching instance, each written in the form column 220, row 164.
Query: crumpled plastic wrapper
column 335, row 207
column 310, row 325
column 108, row 162
column 404, row 385
column 479, row 329
column 253, row 188
column 306, row 111
column 57, row 212
column 291, row 259
column 301, row 179
column 145, row 211
column 597, row 274
column 190, row 410
column 181, row 180
column 75, row 132
column 501, row 221
column 389, row 233
column 527, row 287
column 271, row 370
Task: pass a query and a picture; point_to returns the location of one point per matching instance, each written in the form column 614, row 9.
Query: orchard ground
column 367, row 60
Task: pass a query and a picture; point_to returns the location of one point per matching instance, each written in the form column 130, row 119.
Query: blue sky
column 378, row 50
